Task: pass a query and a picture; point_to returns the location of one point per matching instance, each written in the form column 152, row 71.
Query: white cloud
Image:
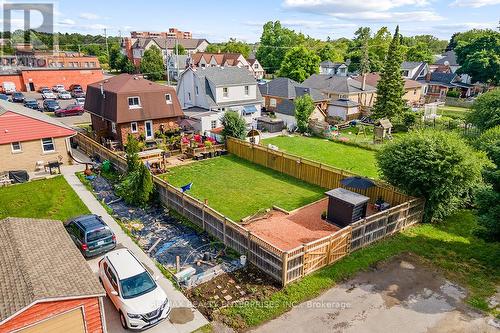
column 66, row 22
column 463, row 26
column 353, row 6
column 474, row 3
column 89, row 16
column 308, row 24
column 411, row 16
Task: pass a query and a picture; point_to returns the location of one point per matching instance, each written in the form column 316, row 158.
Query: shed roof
column 287, row 88
column 39, row 262
column 347, row 196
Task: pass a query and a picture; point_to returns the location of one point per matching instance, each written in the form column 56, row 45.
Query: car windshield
column 94, row 235
column 137, row 285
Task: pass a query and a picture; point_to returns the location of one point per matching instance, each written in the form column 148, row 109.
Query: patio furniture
column 52, row 166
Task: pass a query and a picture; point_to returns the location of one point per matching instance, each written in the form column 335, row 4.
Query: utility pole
column 106, row 39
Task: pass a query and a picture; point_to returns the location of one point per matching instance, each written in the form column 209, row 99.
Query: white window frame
column 18, row 150
column 43, row 145
column 272, row 102
column 247, row 90
column 213, row 124
column 152, row 136
column 134, row 106
column 113, row 127
column 168, row 98
column 225, row 92
column 132, row 130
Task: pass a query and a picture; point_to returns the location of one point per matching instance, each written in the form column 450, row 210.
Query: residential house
column 134, row 48
column 176, row 64
column 206, row 93
column 129, row 104
column 343, row 87
column 333, row 68
column 343, row 109
column 30, row 139
column 46, row 284
column 205, row 59
column 171, row 33
column 257, row 69
column 436, row 85
column 279, row 96
column 414, row 70
column 413, row 89
column 448, row 59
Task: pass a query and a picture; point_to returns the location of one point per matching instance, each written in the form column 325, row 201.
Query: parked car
column 41, row 89
column 80, row 101
column 75, row 86
column 32, row 104
column 91, row 234
column 51, row 105
column 8, row 87
column 77, row 93
column 4, row 97
column 47, row 94
column 140, row 301
column 18, row 97
column 58, row 88
column 64, row 95
column 70, row 110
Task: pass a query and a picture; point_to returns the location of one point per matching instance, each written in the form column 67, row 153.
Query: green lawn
column 453, row 112
column 49, row 198
column 238, row 188
column 357, row 160
column 451, row 247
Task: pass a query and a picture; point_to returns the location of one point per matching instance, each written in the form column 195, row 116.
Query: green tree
column 125, row 65
column 488, row 198
column 364, row 64
column 436, row 165
column 235, row 46
column 433, row 44
column 180, row 50
column 329, row 52
column 274, row 42
column 132, row 150
column 304, row 107
column 419, row 52
column 152, row 64
column 299, row 63
column 480, row 57
column 137, row 187
column 114, row 58
column 234, row 125
column 486, row 110
column 390, row 87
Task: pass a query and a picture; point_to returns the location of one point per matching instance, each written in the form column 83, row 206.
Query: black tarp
column 19, row 176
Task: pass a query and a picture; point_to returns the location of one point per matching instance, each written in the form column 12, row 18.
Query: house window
column 133, row 127
column 134, row 102
column 113, row 127
column 272, row 102
column 256, row 66
column 247, row 90
column 168, row 98
column 225, row 92
column 406, row 72
column 213, row 124
column 196, row 88
column 189, row 96
column 16, row 147
column 48, row 145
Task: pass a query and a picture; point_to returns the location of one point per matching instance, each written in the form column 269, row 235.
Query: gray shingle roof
column 289, row 89
column 286, row 107
column 344, row 103
column 449, row 57
column 40, row 262
column 409, row 65
column 336, row 84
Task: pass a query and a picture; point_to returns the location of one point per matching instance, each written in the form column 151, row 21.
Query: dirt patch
column 288, row 231
column 246, row 284
column 181, row 315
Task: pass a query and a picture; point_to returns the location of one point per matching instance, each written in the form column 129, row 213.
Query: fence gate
column 340, row 245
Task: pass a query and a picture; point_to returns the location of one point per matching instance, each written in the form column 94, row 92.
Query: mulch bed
column 246, row 284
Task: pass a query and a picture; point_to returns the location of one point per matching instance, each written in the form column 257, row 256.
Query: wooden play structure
column 382, row 131
column 253, row 136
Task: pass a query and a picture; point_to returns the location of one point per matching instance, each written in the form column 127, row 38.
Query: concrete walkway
column 177, row 299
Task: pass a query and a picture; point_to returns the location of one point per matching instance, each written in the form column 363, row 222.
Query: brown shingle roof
column 220, row 58
column 40, row 262
column 113, row 105
column 372, row 80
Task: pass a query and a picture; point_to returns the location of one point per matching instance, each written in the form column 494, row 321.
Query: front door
column 149, row 129
column 32, row 86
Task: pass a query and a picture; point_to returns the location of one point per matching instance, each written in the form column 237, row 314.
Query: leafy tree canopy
column 231, row 46
column 436, row 165
column 304, row 106
column 234, row 125
column 299, row 63
column 152, row 64
column 419, row 52
column 486, row 110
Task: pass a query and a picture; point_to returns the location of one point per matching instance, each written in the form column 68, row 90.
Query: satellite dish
column 447, row 63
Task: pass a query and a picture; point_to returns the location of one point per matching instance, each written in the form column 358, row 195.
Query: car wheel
column 123, row 321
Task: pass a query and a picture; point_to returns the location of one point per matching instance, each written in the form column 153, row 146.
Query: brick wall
column 31, row 153
column 45, row 310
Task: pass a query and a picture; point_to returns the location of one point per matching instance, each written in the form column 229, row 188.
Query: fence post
column 284, row 267
column 183, row 204
column 224, row 222
column 203, row 216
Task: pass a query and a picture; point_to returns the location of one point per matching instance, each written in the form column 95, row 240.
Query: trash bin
column 106, row 166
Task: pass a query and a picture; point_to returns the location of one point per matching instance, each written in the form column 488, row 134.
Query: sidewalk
column 177, row 299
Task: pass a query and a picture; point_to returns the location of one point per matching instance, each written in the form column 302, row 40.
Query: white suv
column 138, row 298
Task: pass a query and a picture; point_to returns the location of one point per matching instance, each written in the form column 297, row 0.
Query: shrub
column 234, row 125
column 137, row 187
column 304, row 106
column 436, row 165
column 132, row 149
column 485, row 112
column 453, row 93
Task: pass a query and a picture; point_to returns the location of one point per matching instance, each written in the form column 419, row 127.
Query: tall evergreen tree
column 390, row 87
column 364, row 66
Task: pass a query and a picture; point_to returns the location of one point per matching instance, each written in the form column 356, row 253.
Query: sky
column 218, row 20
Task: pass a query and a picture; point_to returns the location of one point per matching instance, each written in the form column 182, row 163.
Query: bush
column 132, row 149
column 304, row 106
column 234, row 125
column 486, row 110
column 453, row 93
column 137, row 187
column 409, row 119
column 436, row 165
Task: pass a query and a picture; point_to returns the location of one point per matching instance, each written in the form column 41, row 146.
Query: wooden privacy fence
column 284, row 266
column 310, row 171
